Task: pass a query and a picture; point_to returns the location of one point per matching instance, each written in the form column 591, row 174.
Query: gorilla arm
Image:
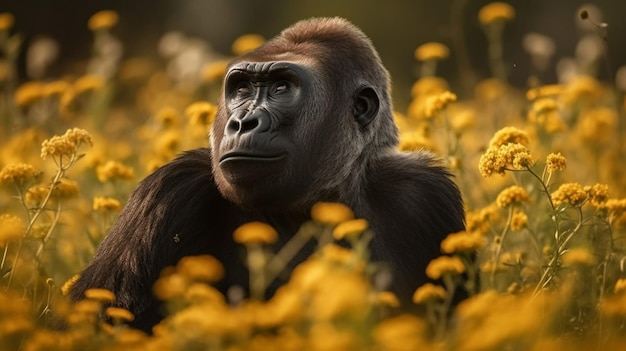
column 174, row 212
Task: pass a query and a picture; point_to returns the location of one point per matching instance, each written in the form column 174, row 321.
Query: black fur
column 337, row 141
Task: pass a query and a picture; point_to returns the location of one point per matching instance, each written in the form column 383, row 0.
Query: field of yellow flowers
column 540, row 168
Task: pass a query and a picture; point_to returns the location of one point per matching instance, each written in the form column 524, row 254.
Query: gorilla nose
column 252, row 122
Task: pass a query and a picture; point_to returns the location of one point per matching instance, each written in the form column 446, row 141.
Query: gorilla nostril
column 247, row 126
column 233, row 126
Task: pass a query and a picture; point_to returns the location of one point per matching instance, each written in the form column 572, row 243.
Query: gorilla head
column 300, row 115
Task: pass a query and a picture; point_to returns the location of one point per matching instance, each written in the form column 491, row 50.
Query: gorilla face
column 258, row 161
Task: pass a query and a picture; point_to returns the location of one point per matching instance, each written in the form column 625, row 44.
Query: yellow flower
column 431, row 51
column 204, row 268
column 519, row 220
column 555, row 162
column 509, row 135
column 6, row 21
column 114, row 170
column 65, row 188
column 513, row 195
column 496, row 11
column 616, row 207
column 490, row 89
column 247, row 43
column 569, row 193
column 11, row 229
column 444, row 265
column 214, row 71
column 503, row 158
column 462, row 120
column 428, row 86
column 67, row 286
column 339, row 254
column 544, row 91
column 102, row 295
column 119, row 314
column 597, row 126
column 462, row 241
column 578, row 256
column 56, row 88
column 582, row 89
column 170, row 286
column 17, row 173
column 429, row 292
column 620, row 286
column 37, row 193
column 168, row 117
column 88, row 83
column 104, row 204
column 201, row 113
column 66, row 144
column 103, row 20
column 351, row 228
column 387, row 298
column 255, row 233
column 437, row 103
column 28, row 93
column 598, row 194
column 405, row 332
column 481, row 219
column 331, row 213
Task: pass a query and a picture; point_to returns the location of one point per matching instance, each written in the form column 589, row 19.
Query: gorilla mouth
column 249, row 156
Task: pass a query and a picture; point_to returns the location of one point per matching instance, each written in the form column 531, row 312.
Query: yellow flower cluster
column 113, row 170
column 255, row 233
column 437, row 103
column 6, row 21
column 65, row 145
column 444, row 265
column 578, row 256
column 519, row 220
column 496, row 11
column 597, row 194
column 204, row 268
column 545, row 113
column 331, row 213
column 429, row 292
column 17, row 173
column 555, row 162
column 168, row 117
column 513, row 195
column 101, row 295
column 11, row 228
column 431, row 51
column 349, row 229
column 104, row 19
column 201, row 113
column 506, row 157
column 246, row 43
column 462, row 242
column 106, row 204
column 509, row 135
column 572, row 194
column 550, row 90
column 214, row 71
column 65, row 189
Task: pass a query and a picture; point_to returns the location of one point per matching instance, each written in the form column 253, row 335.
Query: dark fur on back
column 408, row 198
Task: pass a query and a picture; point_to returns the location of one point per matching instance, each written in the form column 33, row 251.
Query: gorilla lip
column 248, row 156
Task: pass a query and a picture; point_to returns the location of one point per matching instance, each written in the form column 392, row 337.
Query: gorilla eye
column 243, row 88
column 281, row 87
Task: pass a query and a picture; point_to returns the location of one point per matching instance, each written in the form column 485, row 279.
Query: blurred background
column 396, row 27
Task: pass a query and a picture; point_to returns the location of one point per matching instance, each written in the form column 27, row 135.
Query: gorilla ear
column 366, row 104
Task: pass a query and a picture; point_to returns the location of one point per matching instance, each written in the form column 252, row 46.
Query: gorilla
column 306, row 117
